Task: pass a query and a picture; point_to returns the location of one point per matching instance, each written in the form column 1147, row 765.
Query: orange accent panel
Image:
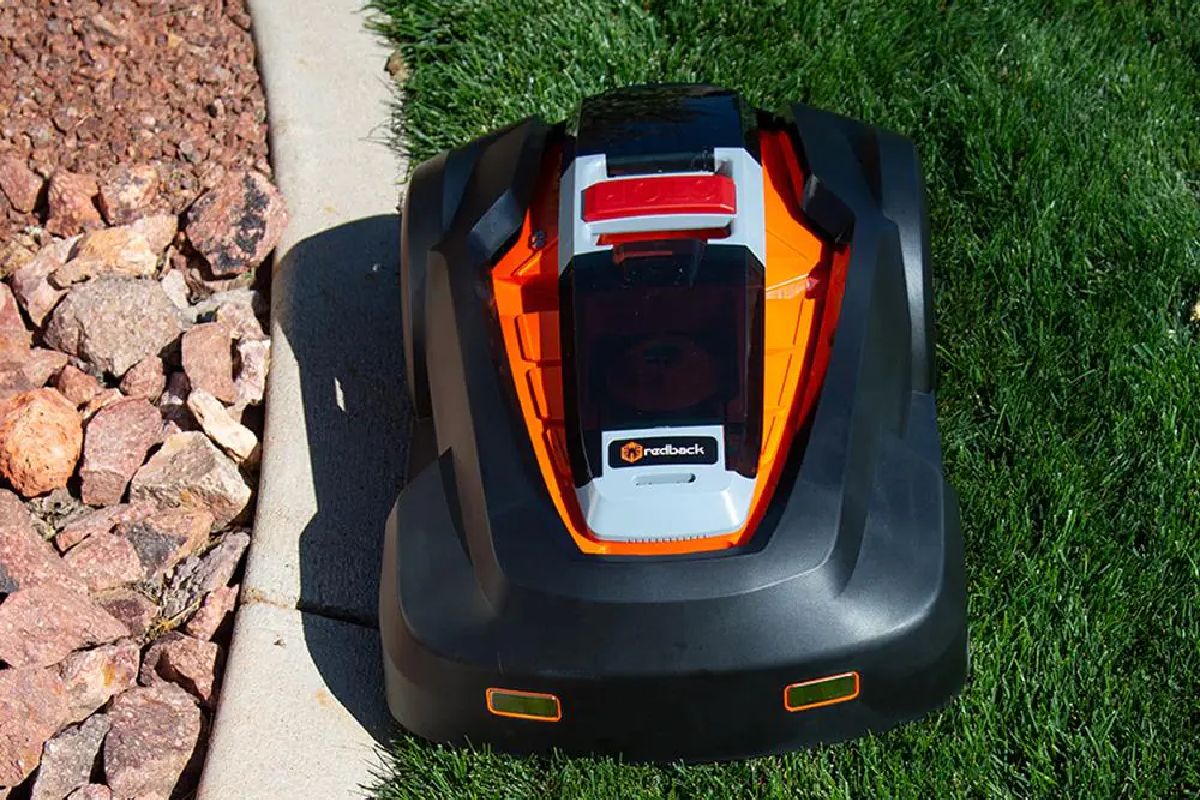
column 834, row 701
column 804, row 278
column 491, row 707
column 549, row 403
column 539, row 337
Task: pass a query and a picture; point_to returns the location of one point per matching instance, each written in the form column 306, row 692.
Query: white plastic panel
column 658, row 503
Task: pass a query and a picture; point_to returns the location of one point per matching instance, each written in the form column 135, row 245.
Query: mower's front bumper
column 702, row 680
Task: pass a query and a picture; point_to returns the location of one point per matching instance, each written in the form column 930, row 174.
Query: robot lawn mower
column 675, row 488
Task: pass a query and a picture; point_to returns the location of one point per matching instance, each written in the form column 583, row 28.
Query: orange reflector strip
column 821, row 692
column 524, row 705
column 665, row 194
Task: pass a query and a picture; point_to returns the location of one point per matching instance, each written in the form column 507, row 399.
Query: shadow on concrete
column 342, row 319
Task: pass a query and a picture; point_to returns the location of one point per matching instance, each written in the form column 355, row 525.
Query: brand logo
column 632, row 452
column 663, row 450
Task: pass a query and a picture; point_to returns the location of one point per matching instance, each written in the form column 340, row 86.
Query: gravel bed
column 136, row 206
column 86, row 86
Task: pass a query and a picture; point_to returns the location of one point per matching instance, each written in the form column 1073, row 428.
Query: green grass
column 1061, row 144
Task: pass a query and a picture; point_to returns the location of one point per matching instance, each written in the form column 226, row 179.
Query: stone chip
column 14, row 336
column 71, row 209
column 33, row 707
column 21, row 185
column 207, row 353
column 113, row 323
column 31, row 281
column 214, row 610
column 113, row 252
column 126, row 191
column 69, row 758
column 92, row 677
column 41, row 625
column 238, row 223
column 116, row 442
column 41, row 437
column 145, row 379
column 189, row 471
column 183, row 660
column 27, row 560
column 154, row 731
column 76, row 385
column 238, row 441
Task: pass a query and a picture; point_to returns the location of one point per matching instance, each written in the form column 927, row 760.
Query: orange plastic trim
column 804, row 279
column 541, row 696
column 821, row 703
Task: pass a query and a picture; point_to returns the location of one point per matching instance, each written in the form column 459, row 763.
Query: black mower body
column 857, row 565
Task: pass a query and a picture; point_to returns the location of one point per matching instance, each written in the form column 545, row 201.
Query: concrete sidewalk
column 302, row 707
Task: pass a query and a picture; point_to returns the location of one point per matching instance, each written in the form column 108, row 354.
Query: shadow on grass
column 341, row 318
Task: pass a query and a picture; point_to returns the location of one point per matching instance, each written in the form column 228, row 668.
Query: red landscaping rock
column 189, row 471
column 242, row 321
column 130, row 85
column 238, row 441
column 12, row 383
column 158, row 230
column 69, row 758
column 138, row 551
column 187, row 662
column 116, row 443
column 132, row 608
column 173, row 405
column 207, row 351
column 113, row 323
column 76, row 385
column 27, row 560
column 145, row 379
column 165, row 538
column 105, row 562
column 92, row 791
column 69, row 199
column 33, row 707
column 238, row 223
column 41, row 437
column 126, row 192
column 14, row 337
column 13, row 256
column 100, row 521
column 19, row 183
column 175, row 285
column 213, row 612
column 197, row 576
column 154, row 731
column 251, row 383
column 94, row 676
column 43, row 365
column 31, row 281
column 104, row 399
column 112, row 252
column 41, row 625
